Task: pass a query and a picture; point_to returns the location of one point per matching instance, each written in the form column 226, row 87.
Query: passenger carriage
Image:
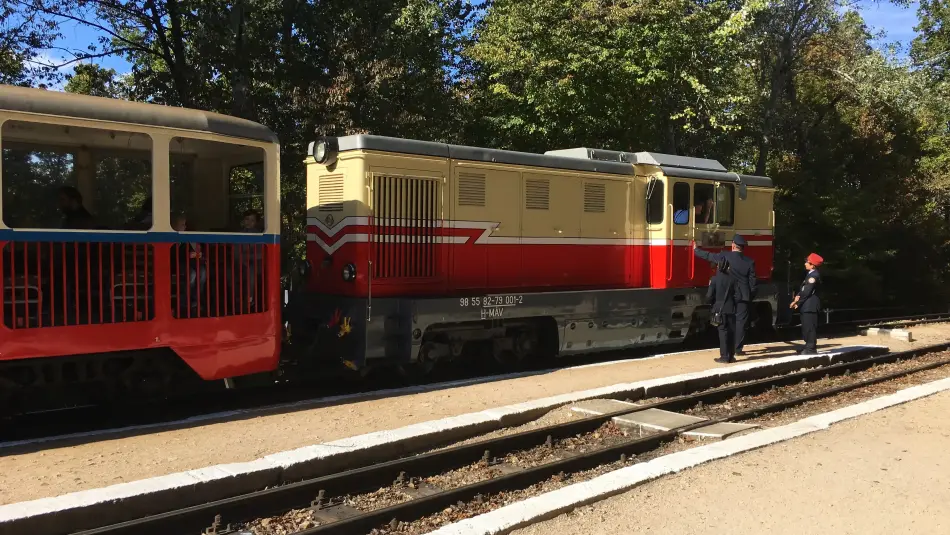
column 112, row 305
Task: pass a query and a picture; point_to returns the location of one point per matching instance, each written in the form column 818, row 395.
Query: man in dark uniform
column 721, row 294
column 742, row 271
column 808, row 304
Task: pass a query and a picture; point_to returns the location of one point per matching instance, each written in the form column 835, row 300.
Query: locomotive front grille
column 405, row 227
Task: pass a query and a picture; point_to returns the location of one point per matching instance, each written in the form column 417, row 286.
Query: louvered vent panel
column 595, row 197
column 330, row 193
column 471, row 190
column 405, row 227
column 537, row 194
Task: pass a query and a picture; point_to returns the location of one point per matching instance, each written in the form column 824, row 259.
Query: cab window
column 725, row 205
column 681, row 203
column 655, row 202
column 703, row 204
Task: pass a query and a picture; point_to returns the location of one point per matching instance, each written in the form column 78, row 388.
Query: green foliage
column 24, row 34
column 652, row 75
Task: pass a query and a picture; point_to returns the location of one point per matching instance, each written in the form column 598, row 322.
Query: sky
column 897, row 22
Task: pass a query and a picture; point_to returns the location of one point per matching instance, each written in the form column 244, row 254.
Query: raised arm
column 706, row 255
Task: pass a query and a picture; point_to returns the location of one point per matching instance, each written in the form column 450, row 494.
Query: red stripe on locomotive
column 476, row 261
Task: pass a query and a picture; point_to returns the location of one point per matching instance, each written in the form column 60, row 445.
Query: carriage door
column 680, row 235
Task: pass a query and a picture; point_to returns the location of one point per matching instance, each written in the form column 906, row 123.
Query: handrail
column 692, row 254
column 669, row 263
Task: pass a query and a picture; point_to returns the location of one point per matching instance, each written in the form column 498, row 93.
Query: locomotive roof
column 29, row 100
column 578, row 159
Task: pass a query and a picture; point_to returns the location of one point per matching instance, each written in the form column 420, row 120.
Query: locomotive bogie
column 512, row 327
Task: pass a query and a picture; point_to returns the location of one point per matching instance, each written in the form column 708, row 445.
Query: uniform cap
column 814, row 259
column 740, row 241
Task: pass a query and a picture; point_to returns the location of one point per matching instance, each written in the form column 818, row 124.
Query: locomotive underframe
column 361, row 332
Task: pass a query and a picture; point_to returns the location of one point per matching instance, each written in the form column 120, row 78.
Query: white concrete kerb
column 220, row 481
column 899, row 334
column 551, row 504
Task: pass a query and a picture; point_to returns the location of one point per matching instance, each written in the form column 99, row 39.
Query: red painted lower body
column 517, row 267
column 214, row 340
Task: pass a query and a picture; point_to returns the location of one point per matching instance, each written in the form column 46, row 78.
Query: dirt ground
column 884, row 473
column 60, row 470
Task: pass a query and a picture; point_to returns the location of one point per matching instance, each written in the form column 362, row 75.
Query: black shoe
column 721, row 360
column 740, row 353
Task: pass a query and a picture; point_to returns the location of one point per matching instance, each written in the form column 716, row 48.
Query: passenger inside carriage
column 249, row 256
column 142, row 219
column 188, row 258
column 75, row 215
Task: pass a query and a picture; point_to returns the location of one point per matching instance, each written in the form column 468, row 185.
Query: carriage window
column 246, row 184
column 67, row 177
column 655, row 202
column 703, row 203
column 216, row 186
column 681, row 203
column 725, row 207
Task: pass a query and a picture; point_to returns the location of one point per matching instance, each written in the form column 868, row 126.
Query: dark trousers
column 810, row 331
column 727, row 336
column 742, row 322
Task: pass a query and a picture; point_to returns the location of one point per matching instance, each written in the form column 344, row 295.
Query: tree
column 22, row 37
column 659, row 75
column 931, row 48
column 91, row 79
column 846, row 167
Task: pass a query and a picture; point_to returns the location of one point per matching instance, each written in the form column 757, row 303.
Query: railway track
column 191, row 410
column 327, row 501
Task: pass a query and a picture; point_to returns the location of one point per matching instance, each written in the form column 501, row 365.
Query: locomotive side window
column 681, row 203
column 725, row 207
column 69, row 177
column 704, row 204
column 215, row 184
column 655, row 201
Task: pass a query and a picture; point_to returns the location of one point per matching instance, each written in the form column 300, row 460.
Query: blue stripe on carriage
column 134, row 237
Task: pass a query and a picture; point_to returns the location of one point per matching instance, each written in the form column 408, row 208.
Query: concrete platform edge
column 125, row 501
column 565, row 499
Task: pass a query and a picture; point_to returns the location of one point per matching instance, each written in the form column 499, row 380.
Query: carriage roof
column 29, row 100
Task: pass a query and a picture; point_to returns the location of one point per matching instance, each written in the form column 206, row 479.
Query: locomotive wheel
column 425, row 364
column 506, row 353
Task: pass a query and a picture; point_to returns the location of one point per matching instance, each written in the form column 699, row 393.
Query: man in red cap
column 808, row 304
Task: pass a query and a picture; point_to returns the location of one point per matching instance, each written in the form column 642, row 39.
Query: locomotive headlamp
column 324, row 150
column 349, row 272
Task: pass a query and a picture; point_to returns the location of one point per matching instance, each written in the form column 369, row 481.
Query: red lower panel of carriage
column 215, row 304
